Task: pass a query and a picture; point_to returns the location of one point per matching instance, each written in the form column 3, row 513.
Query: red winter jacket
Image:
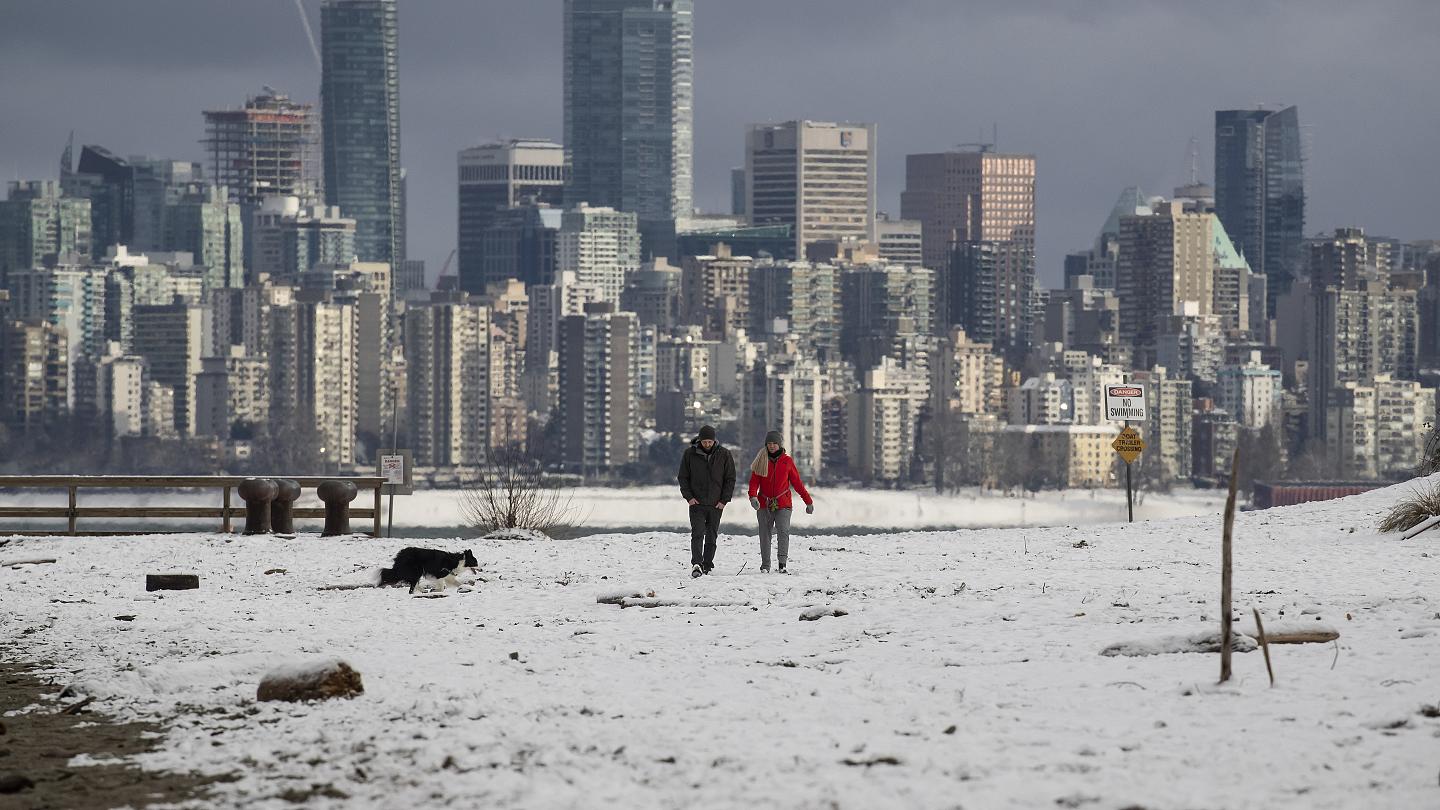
column 783, row 475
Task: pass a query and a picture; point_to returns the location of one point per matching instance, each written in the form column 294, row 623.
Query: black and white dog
column 414, row 564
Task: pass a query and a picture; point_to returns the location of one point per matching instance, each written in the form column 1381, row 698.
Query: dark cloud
column 1106, row 92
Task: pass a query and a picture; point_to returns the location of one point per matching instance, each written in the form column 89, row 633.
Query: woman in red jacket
column 772, row 474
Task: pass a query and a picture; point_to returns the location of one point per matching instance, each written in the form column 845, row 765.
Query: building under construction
column 269, row 148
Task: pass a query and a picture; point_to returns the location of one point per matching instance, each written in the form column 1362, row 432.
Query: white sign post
column 395, row 468
column 1122, row 404
column 1125, row 403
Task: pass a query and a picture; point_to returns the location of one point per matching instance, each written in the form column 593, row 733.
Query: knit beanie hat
column 774, row 436
column 707, row 432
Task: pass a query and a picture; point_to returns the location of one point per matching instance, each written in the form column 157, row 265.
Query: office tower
column 1191, row 345
column 34, row 374
column 597, row 407
column 495, row 177
column 1084, row 318
column 739, row 196
column 886, row 312
column 366, row 287
column 509, row 304
column 411, row 277
column 716, row 292
column 1260, row 191
column 1166, row 258
column 981, row 197
column 170, row 338
column 288, row 238
column 629, row 111
column 36, row 222
column 522, row 243
column 268, row 148
column 815, row 176
column 793, row 402
column 206, row 224
column 797, row 301
column 988, row 291
column 360, row 105
column 448, row 367
column 1236, row 292
column 158, row 184
column 601, row 246
column 900, row 241
column 108, row 181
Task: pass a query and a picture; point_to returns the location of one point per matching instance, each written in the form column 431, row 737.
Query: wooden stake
column 1225, row 570
column 1264, row 643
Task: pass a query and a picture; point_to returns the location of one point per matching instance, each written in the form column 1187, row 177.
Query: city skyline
column 1096, row 126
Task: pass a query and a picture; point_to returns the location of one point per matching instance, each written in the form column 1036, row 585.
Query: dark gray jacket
column 708, row 478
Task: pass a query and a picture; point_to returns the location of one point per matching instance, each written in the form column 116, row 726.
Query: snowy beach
column 966, row 671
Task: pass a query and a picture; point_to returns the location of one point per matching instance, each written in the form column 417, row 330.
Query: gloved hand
column 809, row 508
column 755, row 504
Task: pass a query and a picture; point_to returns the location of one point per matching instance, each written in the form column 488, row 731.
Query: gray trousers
column 779, row 520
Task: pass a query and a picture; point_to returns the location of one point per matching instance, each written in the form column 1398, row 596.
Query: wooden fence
column 226, row 512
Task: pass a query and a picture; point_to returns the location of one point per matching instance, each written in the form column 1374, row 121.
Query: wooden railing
column 225, row 511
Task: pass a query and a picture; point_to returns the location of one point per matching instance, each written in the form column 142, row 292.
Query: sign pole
column 394, row 442
column 1129, row 490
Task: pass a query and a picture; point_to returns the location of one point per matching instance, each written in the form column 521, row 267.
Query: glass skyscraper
column 1260, row 191
column 360, row 111
column 629, row 110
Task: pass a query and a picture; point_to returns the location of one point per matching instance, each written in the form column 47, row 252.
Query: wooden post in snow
column 1225, row 570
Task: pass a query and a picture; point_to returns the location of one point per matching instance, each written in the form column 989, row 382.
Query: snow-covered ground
column 966, row 673
column 653, row 506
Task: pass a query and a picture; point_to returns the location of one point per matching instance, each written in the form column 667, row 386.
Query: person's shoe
column 764, row 569
column 708, row 568
column 782, row 568
column 696, row 571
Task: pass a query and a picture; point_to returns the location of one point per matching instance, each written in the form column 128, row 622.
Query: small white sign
column 1125, row 403
column 392, row 469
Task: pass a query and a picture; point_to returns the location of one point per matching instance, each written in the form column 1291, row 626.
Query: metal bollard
column 282, row 514
column 258, row 493
column 337, row 496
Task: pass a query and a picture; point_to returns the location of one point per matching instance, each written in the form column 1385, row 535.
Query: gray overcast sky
column 1106, row 93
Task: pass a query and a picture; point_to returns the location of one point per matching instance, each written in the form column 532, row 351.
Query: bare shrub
column 513, row 492
column 1421, row 505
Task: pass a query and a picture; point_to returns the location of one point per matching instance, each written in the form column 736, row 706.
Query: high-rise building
column 988, row 291
column 793, row 402
column 629, row 111
column 268, row 148
column 1166, row 259
column 170, row 337
column 1251, row 392
column 900, row 241
column 313, row 370
column 71, row 297
column 38, row 222
column 597, row 407
column 966, row 376
column 653, row 294
column 881, row 420
column 1357, row 335
column 1347, row 260
column 360, row 106
column 817, row 177
column 522, row 243
column 34, row 373
column 601, row 246
column 231, row 390
column 447, row 363
column 108, row 181
column 206, row 224
column 798, row 301
column 739, row 197
column 977, row 196
column 715, row 292
column 495, row 177
column 886, row 311
column 158, row 184
column 550, row 304
column 288, row 238
column 1260, row 191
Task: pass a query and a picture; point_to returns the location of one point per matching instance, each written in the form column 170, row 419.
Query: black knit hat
column 774, row 436
column 707, row 432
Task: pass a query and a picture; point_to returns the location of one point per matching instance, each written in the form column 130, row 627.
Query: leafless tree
column 513, row 492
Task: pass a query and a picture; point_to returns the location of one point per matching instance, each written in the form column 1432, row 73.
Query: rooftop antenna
column 309, row 35
column 1194, row 160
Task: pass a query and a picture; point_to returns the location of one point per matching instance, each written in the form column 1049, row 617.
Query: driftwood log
column 171, row 582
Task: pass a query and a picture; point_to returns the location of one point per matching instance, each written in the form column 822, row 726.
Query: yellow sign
column 1129, row 444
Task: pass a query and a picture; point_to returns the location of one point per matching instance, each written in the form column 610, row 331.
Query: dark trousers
column 704, row 527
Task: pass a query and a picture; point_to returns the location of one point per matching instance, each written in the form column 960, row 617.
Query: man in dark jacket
column 707, row 482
